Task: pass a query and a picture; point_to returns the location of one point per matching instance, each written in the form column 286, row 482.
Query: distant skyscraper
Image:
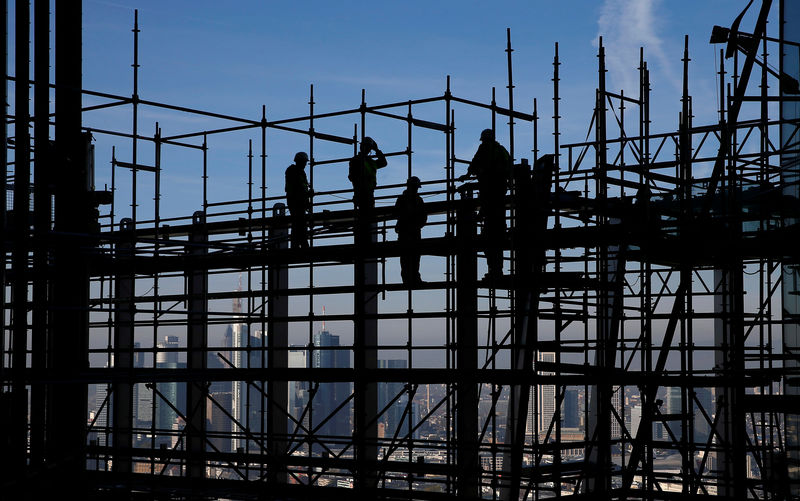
column 237, row 336
column 248, row 398
column 138, row 361
column 331, row 395
column 636, row 419
column 219, row 423
column 221, row 397
column 103, row 417
column 545, row 395
column 673, row 406
column 165, row 415
column 298, row 392
column 571, row 417
column 393, row 417
column 701, row 426
column 673, row 400
column 616, row 402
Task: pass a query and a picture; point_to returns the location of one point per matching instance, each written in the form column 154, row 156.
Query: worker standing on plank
column 298, row 198
column 491, row 165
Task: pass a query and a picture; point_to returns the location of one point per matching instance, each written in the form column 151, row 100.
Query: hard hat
column 368, row 141
column 301, row 156
column 413, row 182
column 487, row 135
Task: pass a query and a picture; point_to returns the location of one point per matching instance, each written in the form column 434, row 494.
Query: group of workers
column 491, row 165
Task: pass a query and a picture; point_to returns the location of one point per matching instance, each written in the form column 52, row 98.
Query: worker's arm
column 380, row 160
column 473, row 165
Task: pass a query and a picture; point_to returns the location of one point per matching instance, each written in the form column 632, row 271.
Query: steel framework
column 637, row 262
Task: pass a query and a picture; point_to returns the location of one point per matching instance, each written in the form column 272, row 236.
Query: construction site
column 642, row 341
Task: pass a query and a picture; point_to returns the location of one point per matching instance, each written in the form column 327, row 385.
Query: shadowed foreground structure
column 649, row 306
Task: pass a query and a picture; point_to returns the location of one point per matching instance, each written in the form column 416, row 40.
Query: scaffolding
column 647, row 273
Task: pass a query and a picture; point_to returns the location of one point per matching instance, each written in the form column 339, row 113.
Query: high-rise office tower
column 219, row 423
column 673, row 400
column 171, row 391
column 249, row 397
column 672, row 404
column 616, row 402
column 236, row 337
column 393, row 417
column 103, row 417
column 298, row 392
column 219, row 401
column 571, row 416
column 636, row 419
column 138, row 361
column 545, row 396
column 329, row 396
column 701, row 425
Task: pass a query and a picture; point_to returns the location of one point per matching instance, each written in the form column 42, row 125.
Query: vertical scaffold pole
column 41, row 214
column 278, row 349
column 68, row 348
column 599, row 422
column 196, row 343
column 468, row 478
column 122, row 388
column 135, row 112
column 6, row 404
column 19, row 289
column 365, row 342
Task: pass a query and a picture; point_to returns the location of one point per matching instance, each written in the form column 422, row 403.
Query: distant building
column 330, row 395
column 170, row 390
column 393, row 417
column 616, row 403
column 702, row 428
column 103, row 421
column 571, row 416
column 543, row 399
column 219, row 423
column 673, row 400
column 298, row 390
column 636, row 419
column 236, row 336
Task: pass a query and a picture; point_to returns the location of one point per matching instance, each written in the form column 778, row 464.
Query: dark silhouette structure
column 657, row 269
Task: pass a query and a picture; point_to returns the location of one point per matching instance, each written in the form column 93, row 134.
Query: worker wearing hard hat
column 411, row 217
column 298, row 198
column 363, row 174
column 492, row 167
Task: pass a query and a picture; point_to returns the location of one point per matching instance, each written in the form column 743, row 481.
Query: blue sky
column 234, row 57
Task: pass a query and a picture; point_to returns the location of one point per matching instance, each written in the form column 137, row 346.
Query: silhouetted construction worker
column 298, row 198
column 363, row 174
column 411, row 217
column 492, row 166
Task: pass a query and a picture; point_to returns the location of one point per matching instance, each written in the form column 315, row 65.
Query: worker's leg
column 299, row 237
column 494, row 233
column 365, row 200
